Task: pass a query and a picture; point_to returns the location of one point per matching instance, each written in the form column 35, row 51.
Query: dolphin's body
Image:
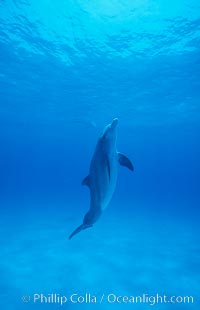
column 102, row 176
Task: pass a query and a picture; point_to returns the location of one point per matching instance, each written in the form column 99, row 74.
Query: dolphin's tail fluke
column 78, row 229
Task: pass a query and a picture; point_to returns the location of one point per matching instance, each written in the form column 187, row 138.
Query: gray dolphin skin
column 102, row 176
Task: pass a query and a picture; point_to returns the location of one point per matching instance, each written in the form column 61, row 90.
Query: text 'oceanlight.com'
column 110, row 298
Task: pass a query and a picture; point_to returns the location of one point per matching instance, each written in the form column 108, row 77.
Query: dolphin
column 102, row 176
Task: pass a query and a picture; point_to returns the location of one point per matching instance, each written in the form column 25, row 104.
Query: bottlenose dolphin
column 102, row 176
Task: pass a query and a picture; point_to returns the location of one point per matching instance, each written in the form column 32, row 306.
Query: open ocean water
column 67, row 68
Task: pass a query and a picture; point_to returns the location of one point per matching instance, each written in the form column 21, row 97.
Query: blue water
column 67, row 68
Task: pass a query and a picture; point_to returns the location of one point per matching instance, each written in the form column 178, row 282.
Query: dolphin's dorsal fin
column 86, row 181
column 124, row 161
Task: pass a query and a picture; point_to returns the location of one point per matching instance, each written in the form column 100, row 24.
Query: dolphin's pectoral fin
column 124, row 161
column 78, row 229
column 86, row 181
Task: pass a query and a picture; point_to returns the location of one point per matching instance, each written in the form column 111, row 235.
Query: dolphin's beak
column 114, row 123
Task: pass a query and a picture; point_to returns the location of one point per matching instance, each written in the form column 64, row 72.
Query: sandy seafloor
column 126, row 255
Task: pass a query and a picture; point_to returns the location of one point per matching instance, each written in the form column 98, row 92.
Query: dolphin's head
column 109, row 135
